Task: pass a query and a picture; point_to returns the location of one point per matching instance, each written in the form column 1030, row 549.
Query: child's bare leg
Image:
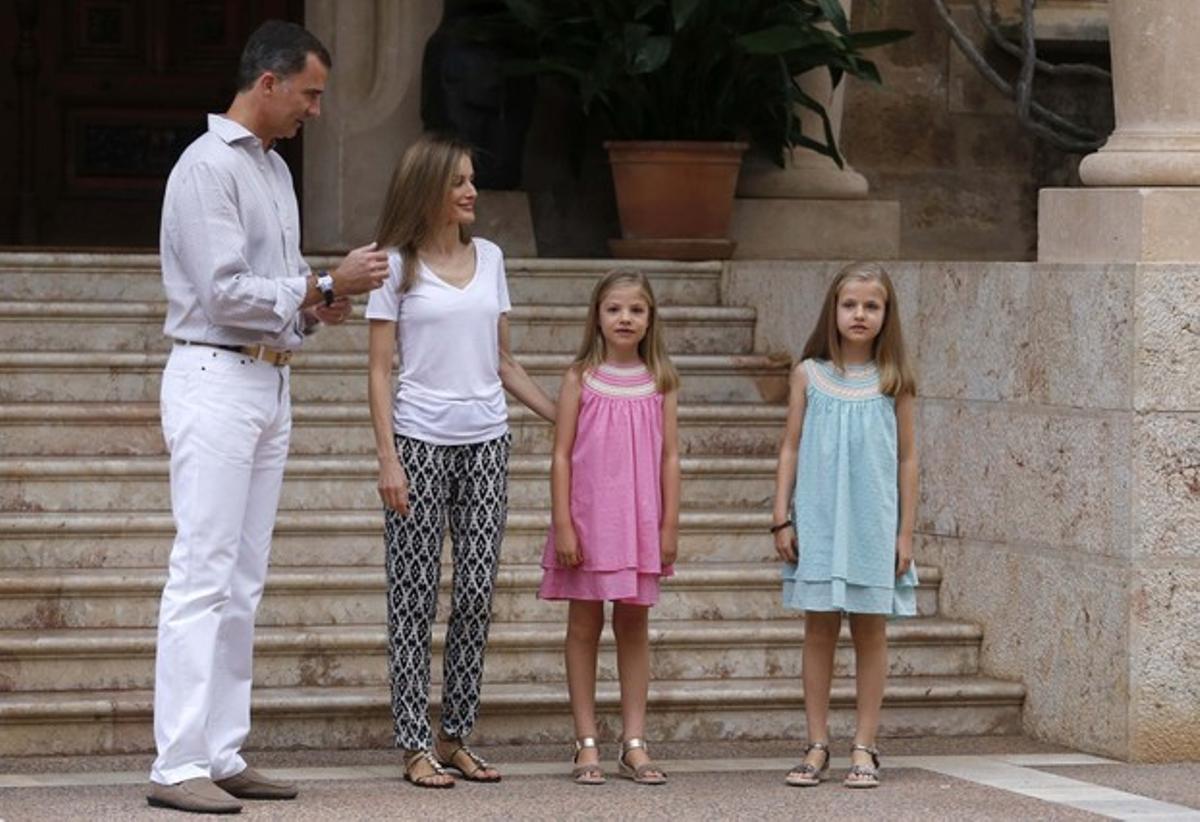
column 820, row 642
column 632, row 630
column 584, row 623
column 871, row 660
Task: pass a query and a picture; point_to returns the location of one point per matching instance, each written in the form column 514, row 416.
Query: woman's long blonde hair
column 651, row 349
column 416, row 196
column 825, row 343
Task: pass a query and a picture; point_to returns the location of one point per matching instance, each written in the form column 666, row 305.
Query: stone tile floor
column 991, row 778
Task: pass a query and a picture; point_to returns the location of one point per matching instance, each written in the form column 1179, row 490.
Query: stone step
column 141, row 483
column 48, row 376
column 306, row 538
column 340, row 655
column 106, row 277
column 47, row 599
column 137, row 326
column 134, row 429
column 360, row 717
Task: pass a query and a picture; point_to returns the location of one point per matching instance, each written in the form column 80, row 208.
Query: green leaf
column 874, row 39
column 527, row 12
column 681, row 11
column 780, row 39
column 644, row 53
column 644, row 7
column 835, row 15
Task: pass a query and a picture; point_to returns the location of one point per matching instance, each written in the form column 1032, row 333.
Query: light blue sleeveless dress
column 846, row 506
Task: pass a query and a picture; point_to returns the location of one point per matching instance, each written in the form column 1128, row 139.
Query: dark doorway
column 103, row 96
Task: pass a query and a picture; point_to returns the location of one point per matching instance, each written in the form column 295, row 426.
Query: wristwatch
column 325, row 286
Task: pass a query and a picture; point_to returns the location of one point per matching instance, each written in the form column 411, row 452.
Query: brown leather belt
column 259, row 352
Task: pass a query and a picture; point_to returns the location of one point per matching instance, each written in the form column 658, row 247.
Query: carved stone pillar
column 1140, row 209
column 1144, row 184
column 370, row 113
column 810, row 208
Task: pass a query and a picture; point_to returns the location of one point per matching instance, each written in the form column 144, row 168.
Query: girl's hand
column 904, row 555
column 786, row 545
column 669, row 544
column 566, row 547
column 393, row 487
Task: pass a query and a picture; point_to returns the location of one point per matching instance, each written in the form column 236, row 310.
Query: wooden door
column 105, row 95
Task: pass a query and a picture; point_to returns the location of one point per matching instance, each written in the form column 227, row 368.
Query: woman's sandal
column 863, row 776
column 591, row 773
column 806, row 774
column 432, row 779
column 645, row 774
column 468, row 763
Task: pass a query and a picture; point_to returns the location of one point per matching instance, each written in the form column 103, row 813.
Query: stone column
column 811, row 208
column 1144, row 184
column 1140, row 208
column 370, row 114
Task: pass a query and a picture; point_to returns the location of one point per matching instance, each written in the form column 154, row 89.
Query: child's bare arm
column 670, row 479
column 566, row 542
column 906, row 432
column 785, row 472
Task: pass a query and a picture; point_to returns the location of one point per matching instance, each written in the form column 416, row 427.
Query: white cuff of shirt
column 290, row 297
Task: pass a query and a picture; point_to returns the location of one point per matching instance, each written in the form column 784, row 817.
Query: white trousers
column 227, row 420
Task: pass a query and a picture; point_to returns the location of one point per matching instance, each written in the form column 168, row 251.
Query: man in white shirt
column 240, row 300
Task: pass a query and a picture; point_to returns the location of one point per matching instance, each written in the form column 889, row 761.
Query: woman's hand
column 904, row 555
column 786, row 545
column 393, row 486
column 669, row 544
column 566, row 546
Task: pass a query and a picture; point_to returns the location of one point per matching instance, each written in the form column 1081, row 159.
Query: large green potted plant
column 680, row 87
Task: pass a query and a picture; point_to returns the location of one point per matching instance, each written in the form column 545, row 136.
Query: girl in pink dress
column 615, row 520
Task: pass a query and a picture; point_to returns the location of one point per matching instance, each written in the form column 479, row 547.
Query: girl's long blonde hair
column 416, row 196
column 651, row 349
column 825, row 343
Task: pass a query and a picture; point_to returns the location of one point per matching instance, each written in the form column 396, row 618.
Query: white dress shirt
column 230, row 243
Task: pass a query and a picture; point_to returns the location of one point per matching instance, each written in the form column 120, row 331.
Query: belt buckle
column 268, row 355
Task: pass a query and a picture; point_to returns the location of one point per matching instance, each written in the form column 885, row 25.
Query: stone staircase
column 85, row 531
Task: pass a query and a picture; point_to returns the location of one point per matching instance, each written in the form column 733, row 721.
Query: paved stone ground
column 931, row 779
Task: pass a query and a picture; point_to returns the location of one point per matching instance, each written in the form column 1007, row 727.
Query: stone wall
column 1059, row 432
column 948, row 146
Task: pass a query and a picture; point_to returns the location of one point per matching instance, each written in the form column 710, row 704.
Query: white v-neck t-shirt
column 449, row 390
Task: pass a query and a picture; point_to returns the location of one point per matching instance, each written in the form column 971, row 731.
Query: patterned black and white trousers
column 465, row 487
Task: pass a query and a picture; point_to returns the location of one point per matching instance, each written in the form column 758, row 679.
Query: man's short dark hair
column 281, row 48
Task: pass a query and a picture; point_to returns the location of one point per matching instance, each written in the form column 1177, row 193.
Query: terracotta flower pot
column 675, row 199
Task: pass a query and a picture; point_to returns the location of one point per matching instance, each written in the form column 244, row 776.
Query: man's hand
column 334, row 314
column 363, row 270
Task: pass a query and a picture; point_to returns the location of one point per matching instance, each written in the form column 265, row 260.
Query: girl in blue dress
column 845, row 500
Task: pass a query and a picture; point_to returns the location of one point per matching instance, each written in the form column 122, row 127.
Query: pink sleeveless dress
column 616, row 492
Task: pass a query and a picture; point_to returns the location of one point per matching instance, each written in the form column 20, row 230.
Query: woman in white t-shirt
column 443, row 444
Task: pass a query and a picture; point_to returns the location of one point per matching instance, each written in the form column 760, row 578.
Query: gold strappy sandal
column 468, row 763
column 592, row 773
column 863, row 776
column 645, row 774
column 806, row 774
column 425, row 780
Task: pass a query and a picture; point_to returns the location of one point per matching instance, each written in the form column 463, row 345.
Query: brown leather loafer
column 250, row 784
column 199, row 795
